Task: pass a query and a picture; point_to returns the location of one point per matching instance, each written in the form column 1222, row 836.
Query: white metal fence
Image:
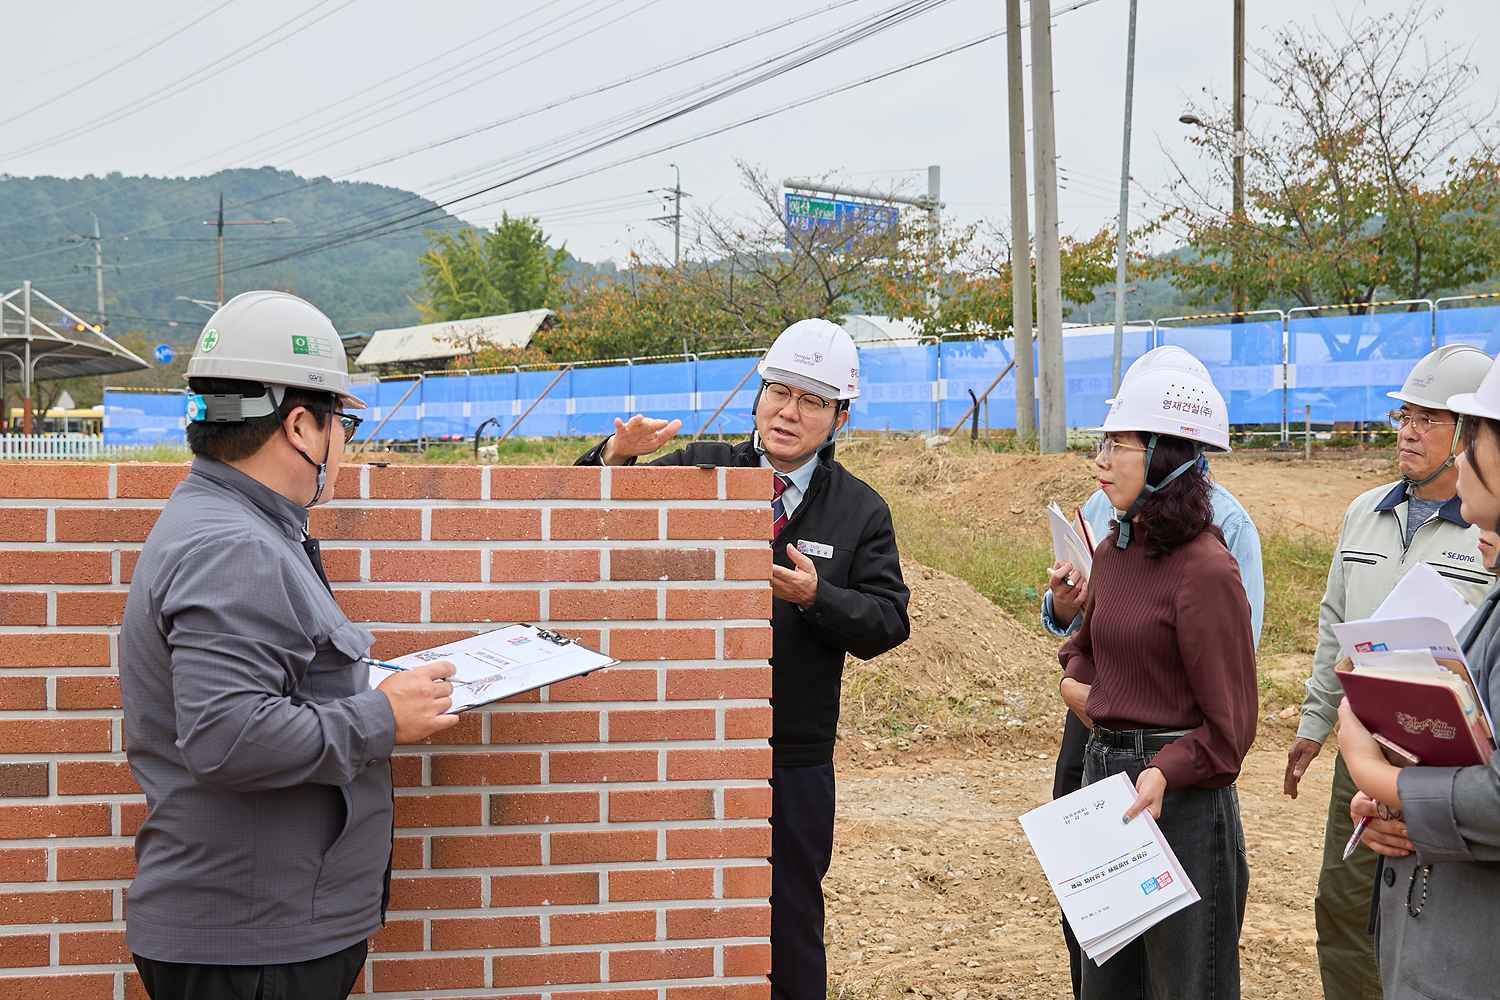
column 57, row 446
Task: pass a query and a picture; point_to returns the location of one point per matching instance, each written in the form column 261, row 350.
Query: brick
column 148, row 481
column 587, row 847
column 54, row 735
column 748, row 484
column 91, row 607
column 492, row 851
column 747, row 564
column 738, row 991
column 747, row 803
column 80, row 906
column 613, row 927
column 636, row 966
column 423, row 811
column 712, row 683
column 94, row 986
column 585, row 523
column 486, row 605
column 663, row 483
column 105, row 524
column 397, row 606
column 718, row 922
column 531, row 808
column 18, row 951
column 132, row 818
column 23, row 525
column 22, row 609
column 747, row 723
column 741, row 525
column 544, row 565
column 490, row 768
column 722, row 842
column 562, row 889
column 456, row 892
column 602, row 605
column 512, row 482
column 487, row 932
column 406, row 770
column 589, row 766
column 22, row 693
column 347, row 486
column 55, row 649
column 719, row 605
column 657, row 725
column 95, row 777
column 427, row 565
column 546, row 969
column 406, row 854
column 390, row 643
column 747, row 881
column 383, row 524
column 613, row 684
column 55, row 567
column 747, row 643
column 37, row 822
column 544, row 727
column 486, row 524
column 425, row 482
column 391, row 975
column 23, row 864
column 135, row 990
column 653, row 805
column 398, row 935
column 101, row 691
column 54, row 481
column 662, row 644
column 93, row 948
column 129, row 557
column 717, row 764
column 341, row 565
column 23, row 780
column 747, row 959
column 661, row 564
column 649, row 994
column 638, row 884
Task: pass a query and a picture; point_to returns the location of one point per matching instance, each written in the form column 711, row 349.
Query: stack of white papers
column 1114, row 880
column 1068, row 542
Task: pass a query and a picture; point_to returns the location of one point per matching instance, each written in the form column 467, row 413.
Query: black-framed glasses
column 350, row 423
column 808, row 404
column 1420, row 422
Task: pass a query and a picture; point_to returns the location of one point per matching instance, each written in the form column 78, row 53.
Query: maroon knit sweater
column 1166, row 643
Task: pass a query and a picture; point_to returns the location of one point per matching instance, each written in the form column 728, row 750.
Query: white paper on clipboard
column 502, row 663
column 1067, row 544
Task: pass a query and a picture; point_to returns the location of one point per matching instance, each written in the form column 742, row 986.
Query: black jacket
column 860, row 607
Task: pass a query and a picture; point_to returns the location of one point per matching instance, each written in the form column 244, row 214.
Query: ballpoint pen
column 384, row 665
column 1353, row 845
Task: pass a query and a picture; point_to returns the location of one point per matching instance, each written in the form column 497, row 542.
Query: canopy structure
column 63, row 346
column 437, row 342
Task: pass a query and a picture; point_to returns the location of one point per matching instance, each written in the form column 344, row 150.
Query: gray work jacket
column 1453, row 818
column 250, row 725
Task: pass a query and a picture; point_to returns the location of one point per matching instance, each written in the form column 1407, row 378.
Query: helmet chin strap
column 1122, row 541
column 1458, row 429
column 320, row 467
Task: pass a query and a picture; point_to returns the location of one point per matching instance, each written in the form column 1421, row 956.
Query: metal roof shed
column 435, row 342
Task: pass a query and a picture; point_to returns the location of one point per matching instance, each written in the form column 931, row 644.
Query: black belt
column 1142, row 741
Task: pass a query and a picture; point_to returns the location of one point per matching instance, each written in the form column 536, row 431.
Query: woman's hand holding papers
column 1386, row 833
column 1070, row 589
column 419, row 698
column 1150, row 787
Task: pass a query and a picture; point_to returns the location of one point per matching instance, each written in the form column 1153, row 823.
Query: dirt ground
column 933, row 891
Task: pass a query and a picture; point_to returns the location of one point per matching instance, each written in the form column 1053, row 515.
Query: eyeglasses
column 350, row 424
column 779, row 395
column 1420, row 422
column 1109, row 446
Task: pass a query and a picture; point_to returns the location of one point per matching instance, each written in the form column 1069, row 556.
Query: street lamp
column 220, row 223
column 210, row 306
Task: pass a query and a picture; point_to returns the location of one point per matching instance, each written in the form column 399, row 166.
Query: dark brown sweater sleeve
column 1077, row 654
column 1217, row 645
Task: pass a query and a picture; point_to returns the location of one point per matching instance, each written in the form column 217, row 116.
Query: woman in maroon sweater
column 1163, row 672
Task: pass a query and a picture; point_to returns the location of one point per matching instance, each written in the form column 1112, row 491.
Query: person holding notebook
column 1438, row 828
column 1163, row 673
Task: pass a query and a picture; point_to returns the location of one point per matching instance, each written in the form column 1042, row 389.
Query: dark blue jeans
column 1195, row 953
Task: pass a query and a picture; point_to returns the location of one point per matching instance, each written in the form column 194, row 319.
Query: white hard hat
column 1450, row 371
column 1483, row 401
column 1176, row 403
column 1169, row 357
column 815, row 356
column 276, row 339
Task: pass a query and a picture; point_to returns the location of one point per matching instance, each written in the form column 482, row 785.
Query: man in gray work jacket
column 263, row 864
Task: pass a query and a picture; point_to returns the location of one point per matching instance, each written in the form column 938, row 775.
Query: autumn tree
column 471, row 273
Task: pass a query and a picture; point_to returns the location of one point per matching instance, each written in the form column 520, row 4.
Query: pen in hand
column 385, row 665
column 1359, row 830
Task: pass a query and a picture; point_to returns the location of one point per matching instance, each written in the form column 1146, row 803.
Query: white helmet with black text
column 816, row 356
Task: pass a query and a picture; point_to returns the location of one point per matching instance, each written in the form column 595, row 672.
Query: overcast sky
column 250, row 107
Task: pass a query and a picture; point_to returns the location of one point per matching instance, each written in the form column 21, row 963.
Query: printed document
column 1068, row 544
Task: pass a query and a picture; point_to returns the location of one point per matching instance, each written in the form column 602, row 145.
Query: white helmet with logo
column 278, row 340
column 1179, row 403
column 815, row 356
column 1446, row 372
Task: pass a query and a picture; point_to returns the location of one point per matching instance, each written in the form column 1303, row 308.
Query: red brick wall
column 604, row 839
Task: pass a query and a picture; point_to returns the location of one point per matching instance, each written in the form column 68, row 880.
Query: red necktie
column 778, row 507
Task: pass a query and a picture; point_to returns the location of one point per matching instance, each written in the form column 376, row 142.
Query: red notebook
column 1432, row 714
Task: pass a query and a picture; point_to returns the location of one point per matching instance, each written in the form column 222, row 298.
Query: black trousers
column 331, row 977
column 1068, row 778
column 802, row 803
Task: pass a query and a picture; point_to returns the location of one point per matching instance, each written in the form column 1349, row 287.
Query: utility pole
column 1240, row 144
column 674, row 220
column 935, row 235
column 1122, row 237
column 219, row 225
column 219, row 295
column 97, row 267
column 1053, row 435
column 1020, row 231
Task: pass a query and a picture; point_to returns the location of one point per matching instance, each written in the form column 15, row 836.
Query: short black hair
column 234, row 442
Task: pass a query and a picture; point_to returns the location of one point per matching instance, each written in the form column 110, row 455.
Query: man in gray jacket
column 263, row 864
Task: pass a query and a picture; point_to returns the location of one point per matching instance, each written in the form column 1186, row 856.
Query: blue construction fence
column 1270, row 367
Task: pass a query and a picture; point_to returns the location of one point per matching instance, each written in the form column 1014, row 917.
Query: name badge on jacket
column 817, row 549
